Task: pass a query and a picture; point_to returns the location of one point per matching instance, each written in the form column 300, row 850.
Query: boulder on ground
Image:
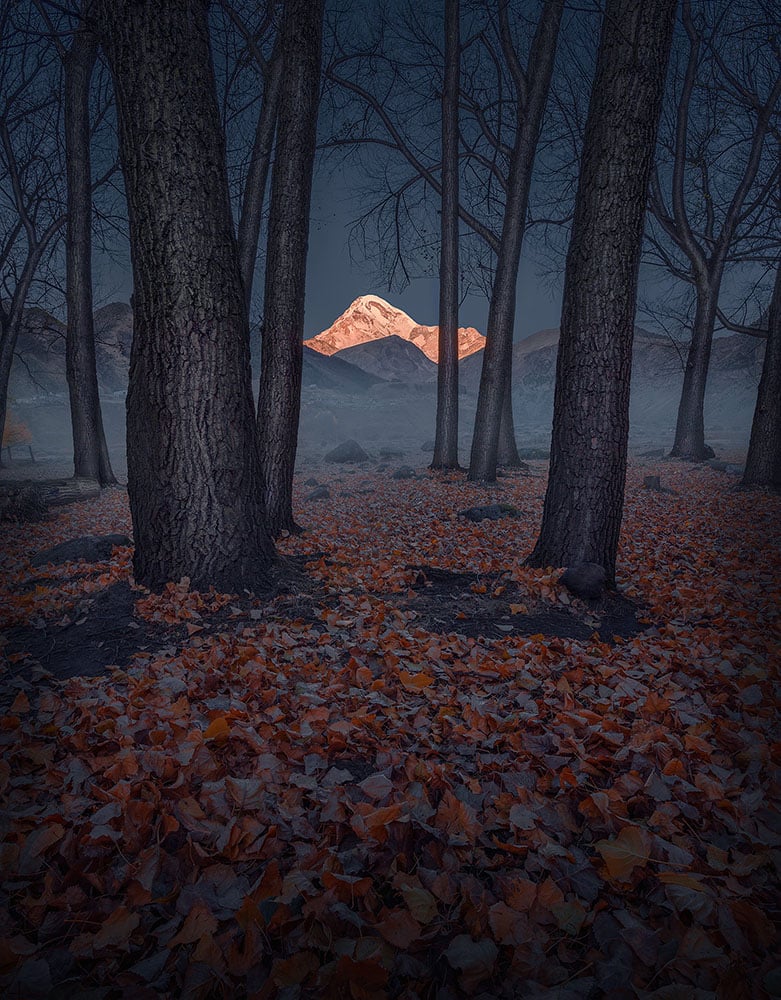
column 90, row 548
column 319, row 493
column 311, row 481
column 404, row 472
column 489, row 512
column 654, row 483
column 428, row 445
column 585, row 579
column 534, row 454
column 347, row 451
column 390, row 453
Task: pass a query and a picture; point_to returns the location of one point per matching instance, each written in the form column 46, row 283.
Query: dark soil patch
column 102, row 633
column 445, row 602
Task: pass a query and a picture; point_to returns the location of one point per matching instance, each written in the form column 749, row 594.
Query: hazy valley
column 372, row 377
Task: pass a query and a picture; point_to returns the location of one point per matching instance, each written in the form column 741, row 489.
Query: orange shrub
column 15, row 432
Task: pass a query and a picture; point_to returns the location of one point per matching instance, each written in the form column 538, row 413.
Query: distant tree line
column 473, row 128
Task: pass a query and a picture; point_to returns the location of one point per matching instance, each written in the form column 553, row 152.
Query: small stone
column 585, row 579
column 489, row 512
column 90, row 548
column 404, row 472
column 347, row 451
column 320, row 493
column 428, row 445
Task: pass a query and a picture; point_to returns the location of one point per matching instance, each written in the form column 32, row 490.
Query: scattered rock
column 311, row 481
column 585, row 579
column 347, row 451
column 428, row 445
column 404, row 472
column 90, row 548
column 390, row 453
column 320, row 493
column 654, row 483
column 731, row 468
column 490, row 512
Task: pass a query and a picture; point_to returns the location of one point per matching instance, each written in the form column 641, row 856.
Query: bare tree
column 194, row 476
column 763, row 462
column 288, row 234
column 710, row 189
column 584, row 499
column 531, row 84
column 253, row 181
column 32, row 216
column 90, row 452
column 501, row 106
column 446, row 438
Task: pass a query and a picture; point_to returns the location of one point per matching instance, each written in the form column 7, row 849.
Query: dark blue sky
column 333, row 282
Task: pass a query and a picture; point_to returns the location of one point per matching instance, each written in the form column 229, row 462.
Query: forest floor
column 417, row 769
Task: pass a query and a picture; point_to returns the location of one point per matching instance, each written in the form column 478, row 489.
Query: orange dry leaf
column 217, row 729
column 415, row 682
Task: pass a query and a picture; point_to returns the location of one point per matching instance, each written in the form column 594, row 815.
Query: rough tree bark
column 763, row 463
column 90, row 452
column 288, row 236
column 193, row 463
column 506, row 446
column 446, row 438
column 585, row 494
column 532, row 93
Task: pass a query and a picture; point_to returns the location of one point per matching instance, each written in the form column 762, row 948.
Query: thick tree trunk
column 507, row 447
column 446, row 439
column 288, row 237
column 90, row 452
column 257, row 176
column 585, row 494
column 193, row 464
column 763, row 463
column 690, row 425
column 501, row 310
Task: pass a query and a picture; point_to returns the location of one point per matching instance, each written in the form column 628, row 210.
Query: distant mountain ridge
column 391, row 358
column 39, row 368
column 370, row 318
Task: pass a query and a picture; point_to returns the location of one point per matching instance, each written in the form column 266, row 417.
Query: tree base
column 695, row 454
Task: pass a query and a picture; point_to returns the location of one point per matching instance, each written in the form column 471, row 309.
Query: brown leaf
column 199, row 921
column 629, row 850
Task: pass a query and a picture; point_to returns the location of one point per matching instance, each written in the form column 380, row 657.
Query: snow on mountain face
column 367, row 318
column 371, row 318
